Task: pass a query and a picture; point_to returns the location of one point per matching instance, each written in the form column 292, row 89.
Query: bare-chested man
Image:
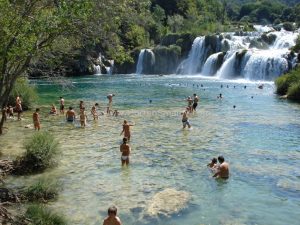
column 62, row 105
column 223, row 170
column 36, row 119
column 190, row 103
column 83, row 117
column 196, row 100
column 109, row 105
column 112, row 218
column 185, row 119
column 70, row 115
column 18, row 108
column 126, row 130
column 125, row 149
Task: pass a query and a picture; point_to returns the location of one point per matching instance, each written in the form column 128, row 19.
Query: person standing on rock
column 112, row 218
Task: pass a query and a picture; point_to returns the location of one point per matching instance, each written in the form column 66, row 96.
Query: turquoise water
column 259, row 138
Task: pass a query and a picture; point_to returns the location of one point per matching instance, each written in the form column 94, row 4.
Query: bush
column 43, row 190
column 40, row 215
column 294, row 91
column 41, row 150
column 27, row 91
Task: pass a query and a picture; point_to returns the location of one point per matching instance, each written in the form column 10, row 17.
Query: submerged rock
column 167, row 202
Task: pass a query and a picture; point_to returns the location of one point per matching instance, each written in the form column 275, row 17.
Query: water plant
column 40, row 153
column 41, row 215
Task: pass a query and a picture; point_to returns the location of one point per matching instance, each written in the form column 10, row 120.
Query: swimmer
column 81, row 105
column 70, row 115
column 196, row 100
column 221, row 85
column 110, row 100
column 53, row 110
column 261, row 86
column 125, row 149
column 126, row 130
column 234, row 106
column 220, row 96
column 245, row 87
column 36, row 119
column 116, row 113
column 62, row 105
column 83, row 117
column 94, row 112
column 185, row 119
column 112, row 218
column 223, row 170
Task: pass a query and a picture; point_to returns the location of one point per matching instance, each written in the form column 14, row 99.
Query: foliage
column 41, row 150
column 27, row 92
column 40, row 215
column 42, row 190
column 289, row 84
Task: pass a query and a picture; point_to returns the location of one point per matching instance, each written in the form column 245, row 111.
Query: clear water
column 260, row 140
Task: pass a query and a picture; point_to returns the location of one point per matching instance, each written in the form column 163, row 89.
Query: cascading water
column 260, row 55
column 139, row 66
column 97, row 68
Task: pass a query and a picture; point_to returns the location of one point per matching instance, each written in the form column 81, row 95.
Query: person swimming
column 70, row 115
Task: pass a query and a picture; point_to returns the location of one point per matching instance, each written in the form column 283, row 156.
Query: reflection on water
column 260, row 139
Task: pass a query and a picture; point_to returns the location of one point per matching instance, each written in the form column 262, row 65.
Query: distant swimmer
column 223, row 170
column 94, row 112
column 196, row 100
column 245, row 87
column 62, row 105
column 220, row 96
column 112, row 218
column 110, row 101
column 221, row 85
column 261, row 86
column 234, row 106
column 150, row 101
column 185, row 119
column 83, row 117
column 125, row 149
column 70, row 115
column 126, row 130
column 53, row 110
column 36, row 119
column 190, row 103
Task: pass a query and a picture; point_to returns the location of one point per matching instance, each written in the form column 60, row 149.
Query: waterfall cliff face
column 260, row 55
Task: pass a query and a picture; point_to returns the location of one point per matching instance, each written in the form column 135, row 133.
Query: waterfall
column 139, row 66
column 265, row 65
column 259, row 55
column 146, row 62
column 97, row 67
column 195, row 60
column 210, row 65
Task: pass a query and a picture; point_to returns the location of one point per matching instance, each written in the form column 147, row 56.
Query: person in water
column 126, row 130
column 81, row 105
column 116, row 113
column 94, row 112
column 36, row 119
column 220, row 96
column 83, row 117
column 185, row 119
column 125, row 149
column 62, row 105
column 110, row 101
column 223, row 170
column 196, row 100
column 112, row 218
column 53, row 110
column 213, row 163
column 70, row 115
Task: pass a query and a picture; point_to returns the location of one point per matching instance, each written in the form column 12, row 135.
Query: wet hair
column 112, row 210
column 195, row 95
column 125, row 140
column 221, row 159
column 96, row 104
column 60, row 97
column 214, row 160
column 125, row 121
column 37, row 109
column 70, row 108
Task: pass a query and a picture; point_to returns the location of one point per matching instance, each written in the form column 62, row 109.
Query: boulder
column 167, row 202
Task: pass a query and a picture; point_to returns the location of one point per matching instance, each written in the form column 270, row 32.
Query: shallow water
column 259, row 138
